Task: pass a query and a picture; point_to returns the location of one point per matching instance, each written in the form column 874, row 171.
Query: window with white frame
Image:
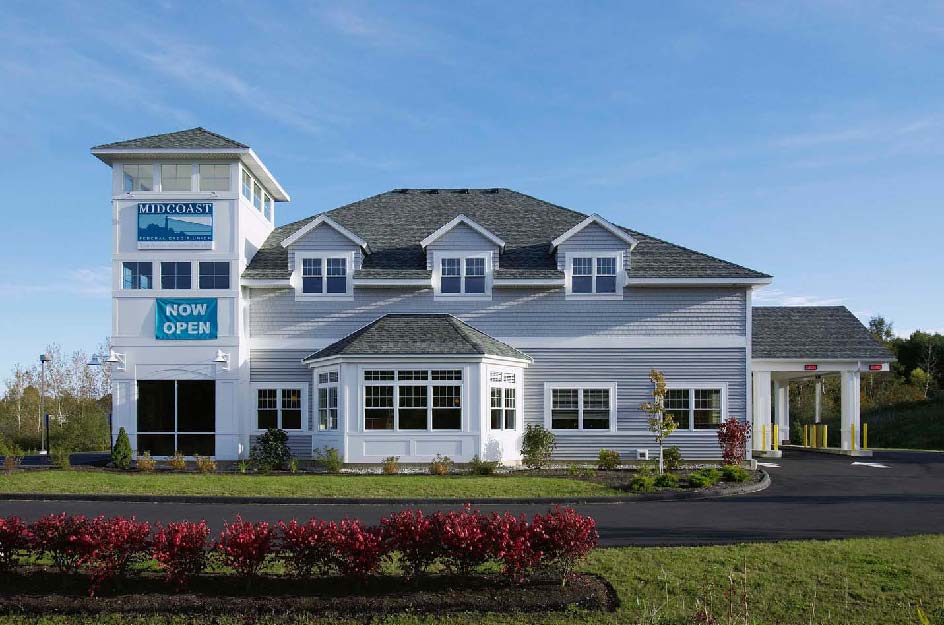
column 593, row 275
column 412, row 399
column 247, row 185
column 214, row 274
column 589, row 407
column 324, row 275
column 268, row 207
column 214, row 177
column 695, row 408
column 175, row 275
column 280, row 407
column 137, row 177
column 136, row 275
column 462, row 275
column 176, row 177
column 328, row 400
column 257, row 196
column 503, row 399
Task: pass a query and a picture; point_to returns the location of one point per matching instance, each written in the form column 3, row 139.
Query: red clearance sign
column 810, row 367
column 875, row 367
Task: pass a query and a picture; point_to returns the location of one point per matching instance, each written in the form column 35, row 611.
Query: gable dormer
column 595, row 258
column 463, row 256
column 322, row 258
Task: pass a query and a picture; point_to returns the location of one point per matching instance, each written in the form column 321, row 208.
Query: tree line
column 77, row 400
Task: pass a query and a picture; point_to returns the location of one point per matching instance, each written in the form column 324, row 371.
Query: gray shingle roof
column 421, row 334
column 394, row 223
column 813, row 332
column 193, row 139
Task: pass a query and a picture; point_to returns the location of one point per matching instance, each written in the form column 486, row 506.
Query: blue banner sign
column 191, row 319
column 175, row 225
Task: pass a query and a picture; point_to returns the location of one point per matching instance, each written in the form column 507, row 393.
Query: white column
column 818, row 401
column 782, row 408
column 849, row 393
column 761, row 397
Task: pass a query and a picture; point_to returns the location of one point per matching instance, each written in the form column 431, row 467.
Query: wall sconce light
column 113, row 358
column 222, row 359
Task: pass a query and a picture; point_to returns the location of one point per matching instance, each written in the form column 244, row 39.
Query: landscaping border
column 730, row 490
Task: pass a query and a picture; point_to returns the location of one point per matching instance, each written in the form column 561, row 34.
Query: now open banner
column 185, row 319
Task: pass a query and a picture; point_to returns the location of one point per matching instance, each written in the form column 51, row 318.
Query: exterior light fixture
column 113, row 358
column 222, row 359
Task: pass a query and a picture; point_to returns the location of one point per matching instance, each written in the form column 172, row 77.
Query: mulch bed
column 35, row 591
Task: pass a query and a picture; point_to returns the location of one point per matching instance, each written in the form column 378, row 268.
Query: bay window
column 589, row 407
column 328, row 400
column 412, row 399
column 503, row 397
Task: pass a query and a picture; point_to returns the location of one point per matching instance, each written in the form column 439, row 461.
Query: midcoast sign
column 192, row 319
column 175, row 225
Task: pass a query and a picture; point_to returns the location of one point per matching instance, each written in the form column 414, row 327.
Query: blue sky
column 801, row 139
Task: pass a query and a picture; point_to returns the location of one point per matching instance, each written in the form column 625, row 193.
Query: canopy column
column 761, row 411
column 818, row 401
column 849, row 399
column 782, row 408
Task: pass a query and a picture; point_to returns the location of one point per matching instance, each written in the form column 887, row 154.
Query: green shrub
column 735, row 473
column 667, row 480
column 672, row 458
column 608, row 459
column 577, row 470
column 11, row 462
column 703, row 478
column 293, row 465
column 329, row 459
column 537, row 445
column 391, row 465
column 643, row 483
column 60, row 458
column 205, row 464
column 242, row 466
column 441, row 465
column 477, row 466
column 178, row 462
column 271, row 452
column 121, row 454
column 146, row 463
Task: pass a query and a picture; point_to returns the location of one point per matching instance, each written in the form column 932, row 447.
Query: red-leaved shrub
column 465, row 538
column 511, row 545
column 359, row 549
column 181, row 550
column 56, row 535
column 563, row 538
column 14, row 538
column 244, row 546
column 415, row 535
column 309, row 547
column 110, row 546
column 733, row 436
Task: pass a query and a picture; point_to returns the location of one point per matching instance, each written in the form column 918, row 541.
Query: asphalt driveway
column 813, row 496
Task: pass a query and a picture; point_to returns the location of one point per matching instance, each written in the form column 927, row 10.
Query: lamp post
column 43, row 359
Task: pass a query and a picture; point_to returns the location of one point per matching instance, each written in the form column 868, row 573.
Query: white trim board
column 524, row 342
column 600, row 221
column 324, row 219
column 462, row 219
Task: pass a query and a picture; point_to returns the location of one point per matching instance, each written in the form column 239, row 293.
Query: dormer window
column 593, row 275
column 323, row 275
column 462, row 275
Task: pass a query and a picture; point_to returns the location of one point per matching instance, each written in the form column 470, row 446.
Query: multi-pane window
column 247, row 185
column 268, row 207
column 503, row 407
column 279, row 408
column 412, row 399
column 593, row 274
column 328, row 400
column 176, row 416
column 175, row 275
column 695, row 408
column 324, row 275
column 176, row 177
column 136, row 275
column 462, row 276
column 589, row 408
column 214, row 177
column 138, row 177
column 257, row 196
column 214, row 275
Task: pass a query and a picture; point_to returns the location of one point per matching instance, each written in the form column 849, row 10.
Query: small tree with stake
column 660, row 422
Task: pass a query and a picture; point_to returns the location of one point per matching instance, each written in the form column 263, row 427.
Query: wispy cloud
column 776, row 297
column 87, row 281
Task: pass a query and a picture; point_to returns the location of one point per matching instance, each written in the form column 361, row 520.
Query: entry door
column 177, row 415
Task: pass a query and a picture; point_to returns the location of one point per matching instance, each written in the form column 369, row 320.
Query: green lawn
column 414, row 486
column 851, row 582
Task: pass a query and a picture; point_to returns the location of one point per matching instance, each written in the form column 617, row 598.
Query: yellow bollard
column 806, row 436
column 763, row 437
column 865, row 436
column 814, row 434
column 775, row 434
column 825, row 436
column 852, row 439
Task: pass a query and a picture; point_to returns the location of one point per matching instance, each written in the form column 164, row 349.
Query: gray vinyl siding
column 324, row 239
column 285, row 367
column 718, row 311
column 593, row 238
column 629, row 369
column 461, row 238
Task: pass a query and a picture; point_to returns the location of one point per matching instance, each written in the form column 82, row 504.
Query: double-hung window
column 593, row 275
column 138, row 177
column 214, row 274
column 503, row 400
column 247, row 185
column 176, row 177
column 280, row 407
column 462, row 275
column 257, row 196
column 136, row 275
column 175, row 275
column 324, row 276
column 581, row 407
column 214, row 177
column 695, row 408
column 413, row 399
column 328, row 400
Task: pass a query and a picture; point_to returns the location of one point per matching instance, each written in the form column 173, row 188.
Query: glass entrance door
column 177, row 415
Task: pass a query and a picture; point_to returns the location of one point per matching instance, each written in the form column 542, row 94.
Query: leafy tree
column 661, row 423
column 881, row 329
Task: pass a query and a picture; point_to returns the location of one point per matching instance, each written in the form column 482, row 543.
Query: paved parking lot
column 814, row 496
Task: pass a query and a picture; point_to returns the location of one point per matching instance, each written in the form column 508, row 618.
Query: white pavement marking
column 769, row 465
column 874, row 465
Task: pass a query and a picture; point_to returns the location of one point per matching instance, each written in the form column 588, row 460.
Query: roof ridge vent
column 432, row 191
column 400, row 191
column 491, row 191
column 460, row 190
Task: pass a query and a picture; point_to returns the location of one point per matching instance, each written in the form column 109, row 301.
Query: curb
column 745, row 489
